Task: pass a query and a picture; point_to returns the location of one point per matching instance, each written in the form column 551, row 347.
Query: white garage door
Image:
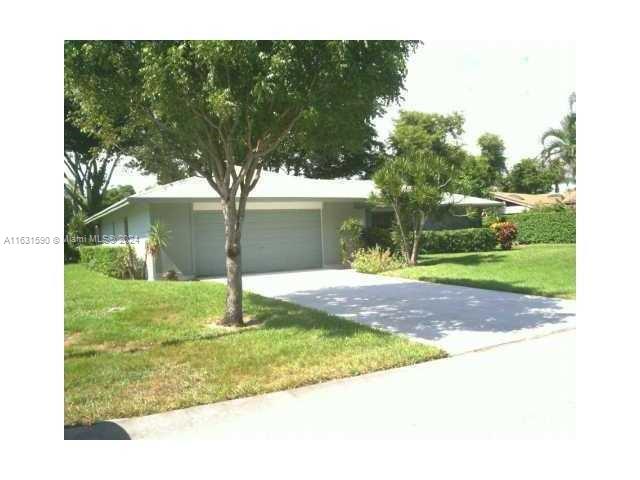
column 272, row 240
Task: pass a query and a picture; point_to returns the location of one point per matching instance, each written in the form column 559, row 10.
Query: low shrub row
column 462, row 240
column 545, row 226
column 114, row 261
column 375, row 260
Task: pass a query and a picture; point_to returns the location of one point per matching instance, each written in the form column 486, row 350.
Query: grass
column 547, row 270
column 135, row 347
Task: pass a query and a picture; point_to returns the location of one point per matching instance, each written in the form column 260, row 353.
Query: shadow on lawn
column 272, row 314
column 513, row 287
column 470, row 259
column 278, row 314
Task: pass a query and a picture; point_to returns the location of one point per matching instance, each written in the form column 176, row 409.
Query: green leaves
column 200, row 102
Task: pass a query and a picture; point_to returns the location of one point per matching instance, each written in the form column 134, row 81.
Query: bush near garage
column 113, row 261
column 375, row 260
column 462, row 240
column 545, row 226
column 351, row 240
column 379, row 236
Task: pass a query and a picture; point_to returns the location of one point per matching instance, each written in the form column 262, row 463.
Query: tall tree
column 115, row 194
column 476, row 176
column 219, row 108
column 89, row 167
column 559, row 144
column 529, row 176
column 427, row 133
column 492, row 149
column 415, row 186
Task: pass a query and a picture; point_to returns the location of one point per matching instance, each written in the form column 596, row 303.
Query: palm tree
column 560, row 143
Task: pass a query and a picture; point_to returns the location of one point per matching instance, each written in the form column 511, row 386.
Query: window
column 126, row 227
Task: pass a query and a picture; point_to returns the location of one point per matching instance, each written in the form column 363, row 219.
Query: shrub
column 114, row 261
column 350, row 239
column 170, row 275
column 506, row 233
column 375, row 260
column 546, row 226
column 71, row 254
column 379, row 236
column 463, row 240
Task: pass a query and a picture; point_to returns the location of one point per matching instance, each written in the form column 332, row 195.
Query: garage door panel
column 271, row 240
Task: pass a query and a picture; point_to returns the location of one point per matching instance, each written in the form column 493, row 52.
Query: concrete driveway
column 457, row 319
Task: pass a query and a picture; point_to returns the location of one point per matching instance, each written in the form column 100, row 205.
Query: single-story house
column 521, row 202
column 291, row 223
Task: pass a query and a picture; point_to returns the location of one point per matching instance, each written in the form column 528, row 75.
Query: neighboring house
column 521, row 202
column 290, row 223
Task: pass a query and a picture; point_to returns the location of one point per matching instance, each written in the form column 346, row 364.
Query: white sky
column 516, row 90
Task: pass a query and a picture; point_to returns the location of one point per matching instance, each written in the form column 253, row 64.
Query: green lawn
column 135, row 347
column 548, row 270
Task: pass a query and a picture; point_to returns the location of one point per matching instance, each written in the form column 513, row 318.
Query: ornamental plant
column 351, row 240
column 376, row 260
column 506, row 233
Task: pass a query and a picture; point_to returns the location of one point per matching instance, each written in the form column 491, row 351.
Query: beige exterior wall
column 333, row 215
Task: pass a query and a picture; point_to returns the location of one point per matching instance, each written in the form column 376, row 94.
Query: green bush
column 114, row 261
column 463, row 240
column 350, row 239
column 379, row 236
column 375, row 260
column 71, row 254
column 545, row 226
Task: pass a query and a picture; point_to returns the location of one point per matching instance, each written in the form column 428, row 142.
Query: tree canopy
column 89, row 166
column 529, row 176
column 220, row 108
column 476, row 176
column 492, row 149
column 427, row 133
column 559, row 144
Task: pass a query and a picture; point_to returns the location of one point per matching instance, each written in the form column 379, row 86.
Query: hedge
column 462, row 240
column 114, row 261
column 545, row 227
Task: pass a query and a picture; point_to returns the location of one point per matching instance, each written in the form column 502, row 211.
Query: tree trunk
column 232, row 222
column 413, row 260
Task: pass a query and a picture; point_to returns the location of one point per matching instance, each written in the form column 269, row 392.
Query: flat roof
column 275, row 186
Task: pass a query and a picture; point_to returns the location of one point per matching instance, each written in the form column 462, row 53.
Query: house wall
column 178, row 254
column 178, row 218
column 333, row 215
column 138, row 220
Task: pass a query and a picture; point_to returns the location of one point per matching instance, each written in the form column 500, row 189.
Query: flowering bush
column 506, row 233
column 375, row 260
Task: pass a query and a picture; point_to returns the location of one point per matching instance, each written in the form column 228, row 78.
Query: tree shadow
column 513, row 287
column 282, row 314
column 470, row 259
column 430, row 312
column 97, row 431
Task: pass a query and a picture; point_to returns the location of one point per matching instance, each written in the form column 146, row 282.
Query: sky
column 515, row 90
